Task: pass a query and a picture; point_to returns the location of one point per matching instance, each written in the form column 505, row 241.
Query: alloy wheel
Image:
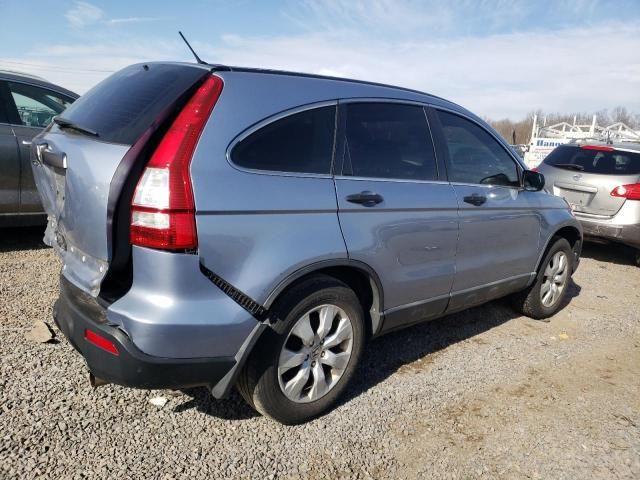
column 315, row 354
column 555, row 279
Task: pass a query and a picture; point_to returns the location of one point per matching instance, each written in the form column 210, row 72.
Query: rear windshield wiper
column 64, row 123
column 571, row 166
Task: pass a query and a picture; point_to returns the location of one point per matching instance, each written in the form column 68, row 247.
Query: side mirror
column 532, row 181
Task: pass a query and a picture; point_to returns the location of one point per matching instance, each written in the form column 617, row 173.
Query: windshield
column 606, row 162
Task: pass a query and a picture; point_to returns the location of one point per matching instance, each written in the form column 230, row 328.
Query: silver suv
column 601, row 182
column 237, row 227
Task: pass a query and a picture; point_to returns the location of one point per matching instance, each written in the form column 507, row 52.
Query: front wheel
column 305, row 361
column 545, row 297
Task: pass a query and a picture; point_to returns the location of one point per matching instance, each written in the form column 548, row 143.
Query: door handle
column 26, row 142
column 366, row 198
column 475, row 199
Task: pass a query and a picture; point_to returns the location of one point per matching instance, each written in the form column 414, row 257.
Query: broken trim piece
column 246, row 302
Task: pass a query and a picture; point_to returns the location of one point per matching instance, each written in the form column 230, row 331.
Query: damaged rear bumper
column 626, row 234
column 76, row 312
column 623, row 227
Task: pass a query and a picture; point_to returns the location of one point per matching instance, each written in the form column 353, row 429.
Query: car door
column 397, row 213
column 498, row 245
column 31, row 109
column 9, row 161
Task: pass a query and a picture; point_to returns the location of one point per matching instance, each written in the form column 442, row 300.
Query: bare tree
column 620, row 114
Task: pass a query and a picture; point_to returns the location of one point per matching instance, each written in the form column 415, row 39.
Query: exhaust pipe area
column 97, row 381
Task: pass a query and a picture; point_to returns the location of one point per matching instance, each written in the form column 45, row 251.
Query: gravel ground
column 481, row 394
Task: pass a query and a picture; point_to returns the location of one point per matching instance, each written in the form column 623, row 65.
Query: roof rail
column 268, row 71
column 22, row 74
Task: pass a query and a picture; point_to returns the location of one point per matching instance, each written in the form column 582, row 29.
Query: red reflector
column 163, row 209
column 100, row 342
column 602, row 148
column 630, row 192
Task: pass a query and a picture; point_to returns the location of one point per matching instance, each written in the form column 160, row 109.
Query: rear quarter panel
column 271, row 226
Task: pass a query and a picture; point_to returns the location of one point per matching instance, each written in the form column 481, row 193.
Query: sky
column 498, row 58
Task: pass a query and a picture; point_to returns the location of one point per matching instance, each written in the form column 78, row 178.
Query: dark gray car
column 227, row 226
column 27, row 105
column 601, row 182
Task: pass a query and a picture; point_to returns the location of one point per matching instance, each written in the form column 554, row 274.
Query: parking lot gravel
column 481, row 394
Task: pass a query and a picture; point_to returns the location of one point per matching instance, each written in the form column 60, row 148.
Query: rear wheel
column 305, row 361
column 545, row 297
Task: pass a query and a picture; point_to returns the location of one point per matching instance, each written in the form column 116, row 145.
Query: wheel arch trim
column 556, row 230
column 374, row 281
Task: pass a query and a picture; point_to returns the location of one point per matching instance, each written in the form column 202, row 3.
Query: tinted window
column 595, row 161
column 388, row 140
column 124, row 105
column 36, row 106
column 4, row 117
column 474, row 155
column 300, row 143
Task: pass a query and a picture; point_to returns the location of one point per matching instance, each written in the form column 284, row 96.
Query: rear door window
column 388, row 141
column 474, row 156
column 593, row 160
column 124, row 105
column 299, row 143
column 36, row 106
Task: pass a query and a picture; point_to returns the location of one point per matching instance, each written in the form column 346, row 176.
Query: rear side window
column 299, row 143
column 123, row 106
column 474, row 155
column 605, row 162
column 36, row 106
column 388, row 140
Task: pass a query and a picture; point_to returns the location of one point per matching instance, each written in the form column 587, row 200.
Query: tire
column 262, row 383
column 530, row 302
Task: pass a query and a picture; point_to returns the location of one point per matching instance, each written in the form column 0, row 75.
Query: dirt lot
column 481, row 394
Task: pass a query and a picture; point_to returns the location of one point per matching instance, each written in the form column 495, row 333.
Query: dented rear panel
column 82, row 163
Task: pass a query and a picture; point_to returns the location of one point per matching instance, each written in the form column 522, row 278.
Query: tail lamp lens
column 163, row 209
column 630, row 192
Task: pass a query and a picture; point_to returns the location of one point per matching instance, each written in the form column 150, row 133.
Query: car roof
column 325, row 77
column 21, row 74
column 407, row 93
column 12, row 76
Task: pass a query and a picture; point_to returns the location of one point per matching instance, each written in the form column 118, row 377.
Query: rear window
column 123, row 106
column 595, row 161
column 299, row 143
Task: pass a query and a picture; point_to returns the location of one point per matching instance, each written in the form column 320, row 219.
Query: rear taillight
column 630, row 192
column 163, row 209
column 534, row 169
